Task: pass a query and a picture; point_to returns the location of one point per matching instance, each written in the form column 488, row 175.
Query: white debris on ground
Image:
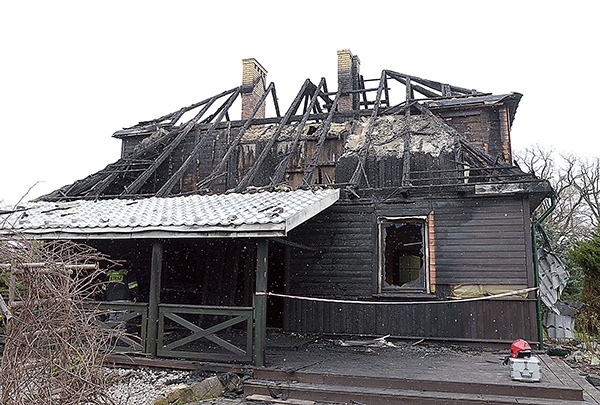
column 142, row 386
column 377, row 342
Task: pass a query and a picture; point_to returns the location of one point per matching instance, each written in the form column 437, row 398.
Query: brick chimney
column 254, row 77
column 348, row 75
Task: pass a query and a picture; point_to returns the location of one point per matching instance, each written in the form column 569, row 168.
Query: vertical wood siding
column 477, row 240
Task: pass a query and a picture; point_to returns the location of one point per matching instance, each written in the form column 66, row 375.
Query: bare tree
column 54, row 346
column 577, row 184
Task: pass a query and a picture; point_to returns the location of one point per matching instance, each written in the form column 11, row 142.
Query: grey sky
column 74, row 72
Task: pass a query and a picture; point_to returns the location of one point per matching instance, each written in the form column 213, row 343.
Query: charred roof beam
column 137, row 184
column 406, row 134
column 170, row 183
column 172, row 117
column 443, row 89
column 310, row 169
column 281, row 167
column 249, row 176
column 362, row 153
column 208, row 180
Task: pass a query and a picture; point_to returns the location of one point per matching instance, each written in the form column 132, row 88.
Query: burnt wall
column 487, row 128
column 340, row 263
column 129, row 143
column 478, row 240
column 388, row 170
column 482, row 241
column 498, row 320
column 212, row 147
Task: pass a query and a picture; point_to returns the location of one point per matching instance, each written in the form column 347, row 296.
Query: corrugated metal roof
column 223, row 215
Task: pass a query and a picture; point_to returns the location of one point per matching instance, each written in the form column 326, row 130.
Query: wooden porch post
column 154, row 299
column 260, row 303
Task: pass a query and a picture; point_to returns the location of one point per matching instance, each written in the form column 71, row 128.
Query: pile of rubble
column 149, row 386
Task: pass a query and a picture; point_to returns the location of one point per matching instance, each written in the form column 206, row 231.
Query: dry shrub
column 54, row 345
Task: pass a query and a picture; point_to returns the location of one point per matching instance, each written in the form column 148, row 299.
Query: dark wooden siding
column 129, row 143
column 478, row 240
column 471, row 123
column 497, row 320
column 481, row 241
column 342, row 266
column 484, row 127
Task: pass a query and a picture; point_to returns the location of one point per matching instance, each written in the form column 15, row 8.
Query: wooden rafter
column 281, row 167
column 170, row 183
column 310, row 169
column 362, row 153
column 443, row 89
column 142, row 178
column 208, row 180
column 249, row 177
column 97, row 189
column 406, row 134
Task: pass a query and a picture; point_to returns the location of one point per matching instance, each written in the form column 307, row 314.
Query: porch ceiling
column 261, row 214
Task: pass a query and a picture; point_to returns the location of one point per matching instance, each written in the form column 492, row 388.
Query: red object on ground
column 520, row 348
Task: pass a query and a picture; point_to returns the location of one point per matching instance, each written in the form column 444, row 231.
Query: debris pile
column 149, row 386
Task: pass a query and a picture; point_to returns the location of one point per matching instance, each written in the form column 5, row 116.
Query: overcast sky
column 74, row 72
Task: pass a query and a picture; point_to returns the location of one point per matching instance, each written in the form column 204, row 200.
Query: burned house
column 350, row 212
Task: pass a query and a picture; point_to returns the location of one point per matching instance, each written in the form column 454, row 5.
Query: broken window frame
column 382, row 286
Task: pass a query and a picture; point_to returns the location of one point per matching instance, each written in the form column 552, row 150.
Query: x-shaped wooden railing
column 228, row 351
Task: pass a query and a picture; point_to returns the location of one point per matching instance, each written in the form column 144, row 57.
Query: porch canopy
column 260, row 214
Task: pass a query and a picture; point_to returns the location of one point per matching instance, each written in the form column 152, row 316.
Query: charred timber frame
column 310, row 169
column 281, row 167
column 129, row 174
column 208, row 180
column 247, row 179
column 168, row 186
column 362, row 155
column 406, row 135
column 139, row 182
column 98, row 187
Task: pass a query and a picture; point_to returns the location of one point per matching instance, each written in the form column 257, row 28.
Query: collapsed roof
column 339, row 139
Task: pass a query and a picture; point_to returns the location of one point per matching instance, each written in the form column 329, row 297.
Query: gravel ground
column 142, row 386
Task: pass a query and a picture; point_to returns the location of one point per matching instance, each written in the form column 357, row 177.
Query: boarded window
column 403, row 254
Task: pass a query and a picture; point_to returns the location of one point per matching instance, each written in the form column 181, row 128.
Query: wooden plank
column 154, row 298
column 571, row 377
column 260, row 303
column 209, row 333
column 270, row 399
column 120, row 359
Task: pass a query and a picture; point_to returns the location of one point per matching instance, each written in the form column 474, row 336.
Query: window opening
column 403, row 254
